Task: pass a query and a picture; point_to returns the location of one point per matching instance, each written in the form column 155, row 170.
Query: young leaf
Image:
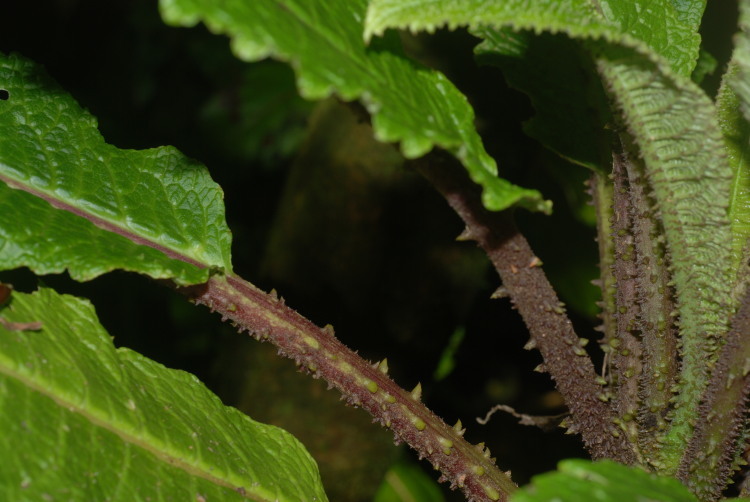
column 690, row 178
column 69, row 200
column 605, row 481
column 85, row 421
column 323, row 42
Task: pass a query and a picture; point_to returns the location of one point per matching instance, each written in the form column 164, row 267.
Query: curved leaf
column 737, row 136
column 420, row 108
column 64, row 189
column 666, row 28
column 740, row 82
column 676, row 127
column 85, row 421
column 606, row 481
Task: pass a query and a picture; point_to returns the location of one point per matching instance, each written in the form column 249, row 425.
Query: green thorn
column 416, row 393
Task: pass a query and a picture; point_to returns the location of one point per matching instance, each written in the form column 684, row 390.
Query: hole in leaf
column 4, row 95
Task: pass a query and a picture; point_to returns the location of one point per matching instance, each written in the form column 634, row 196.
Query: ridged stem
column 625, row 349
column 712, row 453
column 317, row 351
column 551, row 331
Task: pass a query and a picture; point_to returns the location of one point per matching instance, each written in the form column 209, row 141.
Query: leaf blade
column 172, row 432
column 607, row 481
column 126, row 201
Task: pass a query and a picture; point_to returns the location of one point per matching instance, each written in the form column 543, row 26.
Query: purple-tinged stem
column 532, row 294
column 317, row 351
column 601, row 193
column 712, row 453
column 656, row 302
column 625, row 348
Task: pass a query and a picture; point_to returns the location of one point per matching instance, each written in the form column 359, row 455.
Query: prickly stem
column 655, row 299
column 316, row 350
column 533, row 296
column 601, row 191
column 627, row 358
column 720, row 432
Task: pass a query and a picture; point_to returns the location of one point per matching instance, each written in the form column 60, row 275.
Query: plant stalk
column 551, row 331
column 317, row 351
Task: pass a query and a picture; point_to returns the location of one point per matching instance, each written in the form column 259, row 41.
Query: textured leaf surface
column 741, row 81
column 323, row 41
column 549, row 69
column 606, row 481
column 737, row 135
column 668, row 29
column 85, row 421
column 69, row 200
column 677, row 131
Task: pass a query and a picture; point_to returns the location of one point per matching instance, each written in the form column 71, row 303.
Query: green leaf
column 85, row 421
column 405, row 482
column 69, row 200
column 606, row 481
column 706, row 65
column 668, row 28
column 323, row 42
column 741, row 80
column 447, row 361
column 736, row 132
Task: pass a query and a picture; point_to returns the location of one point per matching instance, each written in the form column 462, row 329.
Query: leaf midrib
column 96, row 220
column 111, row 426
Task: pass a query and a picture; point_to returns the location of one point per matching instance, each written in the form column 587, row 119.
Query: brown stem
column 656, row 301
column 712, row 452
column 317, row 351
column 601, row 194
column 530, row 291
column 625, row 348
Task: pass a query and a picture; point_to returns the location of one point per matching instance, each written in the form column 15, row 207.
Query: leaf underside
column 85, row 421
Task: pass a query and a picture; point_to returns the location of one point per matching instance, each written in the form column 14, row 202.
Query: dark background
column 373, row 253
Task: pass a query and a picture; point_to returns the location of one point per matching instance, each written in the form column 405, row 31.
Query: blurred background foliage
column 339, row 225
